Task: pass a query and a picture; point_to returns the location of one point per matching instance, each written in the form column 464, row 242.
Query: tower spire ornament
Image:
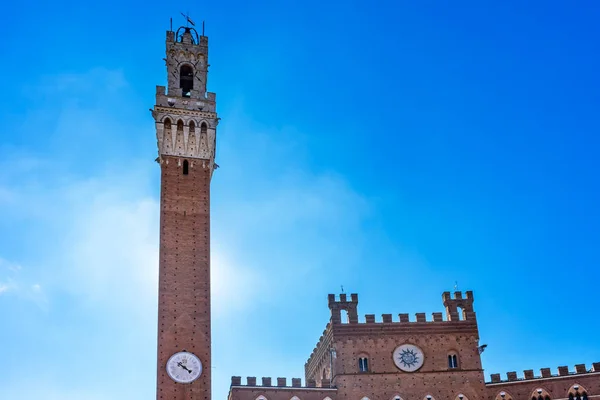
column 186, row 121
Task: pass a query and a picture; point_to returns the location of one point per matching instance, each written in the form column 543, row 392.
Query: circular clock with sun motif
column 184, row 367
column 408, row 357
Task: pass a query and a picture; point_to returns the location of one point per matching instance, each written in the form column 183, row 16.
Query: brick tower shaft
column 186, row 123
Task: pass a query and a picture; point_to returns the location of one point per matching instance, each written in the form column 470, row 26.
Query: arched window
column 192, row 126
column 452, row 360
column 461, row 396
column 428, row 397
column 363, row 364
column 186, row 167
column 180, row 126
column 295, row 398
column 365, row 398
column 186, row 80
column 540, row 394
column 203, row 128
column 344, row 317
column 167, row 123
column 577, row 392
column 261, row 397
column 397, row 397
column 503, row 396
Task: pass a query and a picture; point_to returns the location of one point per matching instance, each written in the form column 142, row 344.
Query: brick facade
column 333, row 370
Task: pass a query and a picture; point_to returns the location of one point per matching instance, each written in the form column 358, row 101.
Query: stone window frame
column 540, row 394
column 363, row 363
column 503, row 395
column 577, row 392
column 453, row 360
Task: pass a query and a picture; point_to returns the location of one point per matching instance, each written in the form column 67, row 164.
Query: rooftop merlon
column 528, row 374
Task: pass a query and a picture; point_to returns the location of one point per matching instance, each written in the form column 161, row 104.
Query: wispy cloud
column 96, row 228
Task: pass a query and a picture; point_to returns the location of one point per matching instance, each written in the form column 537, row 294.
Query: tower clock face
column 184, row 367
column 408, row 357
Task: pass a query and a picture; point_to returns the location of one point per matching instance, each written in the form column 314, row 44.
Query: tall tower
column 186, row 120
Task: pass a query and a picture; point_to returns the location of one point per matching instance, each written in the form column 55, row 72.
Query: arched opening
column 186, row 80
column 344, row 316
column 167, row 123
column 452, row 360
column 577, row 392
column 192, row 126
column 396, row 397
column 428, row 397
column 261, row 397
column 540, row 394
column 295, row 398
column 503, row 396
column 203, row 128
column 186, row 167
column 363, row 364
column 180, row 126
column 461, row 313
column 461, row 396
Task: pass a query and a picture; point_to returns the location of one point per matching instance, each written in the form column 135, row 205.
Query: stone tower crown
column 185, row 113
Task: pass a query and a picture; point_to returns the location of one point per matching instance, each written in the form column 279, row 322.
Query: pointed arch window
column 503, row 396
column 186, row 80
column 363, row 364
column 540, row 394
column 167, row 123
column 452, row 360
column 577, row 392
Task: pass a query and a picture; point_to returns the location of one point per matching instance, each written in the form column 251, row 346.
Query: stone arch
column 453, row 359
column 179, row 141
column 540, row 394
column 186, row 79
column 295, row 398
column 396, row 397
column 428, row 397
column 192, row 146
column 461, row 396
column 577, row 392
column 503, row 395
column 167, row 135
column 363, row 362
column 365, row 398
column 261, row 397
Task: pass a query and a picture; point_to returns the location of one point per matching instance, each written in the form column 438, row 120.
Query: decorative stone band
column 186, row 134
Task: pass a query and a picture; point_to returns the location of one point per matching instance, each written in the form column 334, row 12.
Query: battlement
column 545, row 373
column 267, row 382
column 453, row 304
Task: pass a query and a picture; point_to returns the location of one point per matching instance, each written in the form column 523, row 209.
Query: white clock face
column 184, row 367
column 408, row 357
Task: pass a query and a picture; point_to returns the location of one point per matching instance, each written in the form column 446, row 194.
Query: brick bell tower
column 186, row 120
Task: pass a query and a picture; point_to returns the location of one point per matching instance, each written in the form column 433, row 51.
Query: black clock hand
column 184, row 367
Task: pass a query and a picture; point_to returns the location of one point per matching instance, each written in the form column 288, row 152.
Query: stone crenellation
column 267, row 382
column 453, row 304
column 545, row 373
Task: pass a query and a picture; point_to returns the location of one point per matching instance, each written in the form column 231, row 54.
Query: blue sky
column 394, row 149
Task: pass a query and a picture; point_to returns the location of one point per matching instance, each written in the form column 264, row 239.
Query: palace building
column 387, row 358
